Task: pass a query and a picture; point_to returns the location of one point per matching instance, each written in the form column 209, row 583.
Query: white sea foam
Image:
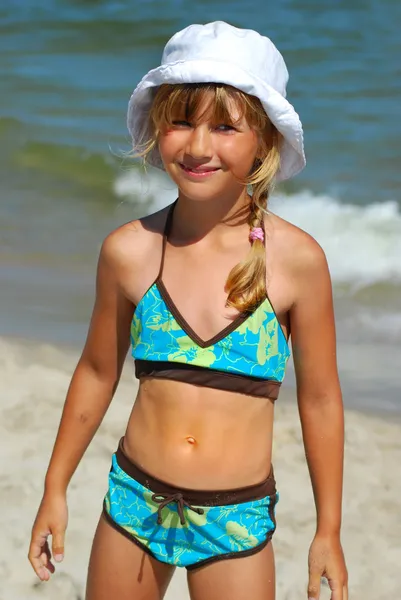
column 362, row 243
column 153, row 189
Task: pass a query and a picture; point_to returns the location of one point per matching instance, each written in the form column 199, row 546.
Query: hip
column 188, row 527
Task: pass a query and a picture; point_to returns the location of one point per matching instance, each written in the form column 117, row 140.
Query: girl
column 193, row 287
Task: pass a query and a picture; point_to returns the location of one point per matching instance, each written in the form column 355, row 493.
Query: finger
column 36, row 549
column 58, row 545
column 336, row 590
column 345, row 592
column 47, row 564
column 314, row 585
column 46, row 558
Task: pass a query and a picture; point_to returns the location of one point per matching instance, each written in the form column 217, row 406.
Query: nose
column 200, row 143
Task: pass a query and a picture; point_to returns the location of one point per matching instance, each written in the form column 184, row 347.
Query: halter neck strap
column 166, row 233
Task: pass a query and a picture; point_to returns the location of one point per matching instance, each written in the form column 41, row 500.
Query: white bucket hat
column 220, row 53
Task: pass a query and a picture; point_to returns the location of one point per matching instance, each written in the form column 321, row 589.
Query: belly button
column 190, row 439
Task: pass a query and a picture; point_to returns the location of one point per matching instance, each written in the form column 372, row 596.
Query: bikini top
column 247, row 356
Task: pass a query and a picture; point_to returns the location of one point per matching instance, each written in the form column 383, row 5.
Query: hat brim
column 280, row 112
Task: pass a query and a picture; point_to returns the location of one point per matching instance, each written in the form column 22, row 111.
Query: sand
column 34, row 381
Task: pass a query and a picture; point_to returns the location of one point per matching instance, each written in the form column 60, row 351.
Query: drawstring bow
column 164, row 499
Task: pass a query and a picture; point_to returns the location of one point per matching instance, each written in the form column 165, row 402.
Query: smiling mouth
column 199, row 171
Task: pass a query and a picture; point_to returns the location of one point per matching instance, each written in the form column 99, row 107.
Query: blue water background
column 67, row 70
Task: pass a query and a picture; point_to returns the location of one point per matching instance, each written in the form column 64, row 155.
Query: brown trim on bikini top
column 207, row 377
column 183, row 323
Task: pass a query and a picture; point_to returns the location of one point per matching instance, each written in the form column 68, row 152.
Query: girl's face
column 206, row 159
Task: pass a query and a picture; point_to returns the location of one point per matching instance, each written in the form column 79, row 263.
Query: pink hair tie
column 256, row 233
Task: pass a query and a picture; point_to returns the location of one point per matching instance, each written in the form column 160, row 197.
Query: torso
column 198, row 437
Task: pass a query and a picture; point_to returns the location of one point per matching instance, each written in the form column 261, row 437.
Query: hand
column 326, row 559
column 51, row 520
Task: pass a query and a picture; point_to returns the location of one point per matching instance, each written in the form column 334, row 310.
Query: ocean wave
column 90, row 171
column 362, row 243
column 377, row 324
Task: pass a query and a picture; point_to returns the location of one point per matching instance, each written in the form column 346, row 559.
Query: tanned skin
column 232, row 433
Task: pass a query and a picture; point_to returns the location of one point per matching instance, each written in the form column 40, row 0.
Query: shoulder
column 131, row 254
column 300, row 256
column 135, row 241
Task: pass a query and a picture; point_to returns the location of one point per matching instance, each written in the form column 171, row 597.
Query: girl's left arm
column 321, row 412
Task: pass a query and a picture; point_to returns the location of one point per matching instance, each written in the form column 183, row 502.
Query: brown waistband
column 201, row 376
column 196, row 497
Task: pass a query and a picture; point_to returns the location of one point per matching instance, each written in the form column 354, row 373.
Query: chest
column 194, row 284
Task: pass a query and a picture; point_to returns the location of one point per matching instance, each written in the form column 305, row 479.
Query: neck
column 194, row 220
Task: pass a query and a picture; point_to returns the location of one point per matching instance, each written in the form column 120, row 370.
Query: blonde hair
column 246, row 282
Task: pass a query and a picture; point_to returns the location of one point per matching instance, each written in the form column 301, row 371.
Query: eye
column 225, row 128
column 181, row 124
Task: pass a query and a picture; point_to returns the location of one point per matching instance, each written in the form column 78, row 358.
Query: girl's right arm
column 91, row 390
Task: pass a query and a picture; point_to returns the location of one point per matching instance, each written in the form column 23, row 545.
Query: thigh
column 118, row 568
column 237, row 578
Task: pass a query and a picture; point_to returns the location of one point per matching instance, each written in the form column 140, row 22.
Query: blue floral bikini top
column 247, row 356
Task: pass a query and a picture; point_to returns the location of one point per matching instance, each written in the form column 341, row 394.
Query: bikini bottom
column 184, row 527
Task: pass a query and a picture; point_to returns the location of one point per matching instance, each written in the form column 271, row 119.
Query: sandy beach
column 35, row 379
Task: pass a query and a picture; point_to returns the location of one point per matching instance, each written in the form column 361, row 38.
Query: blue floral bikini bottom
column 188, row 528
